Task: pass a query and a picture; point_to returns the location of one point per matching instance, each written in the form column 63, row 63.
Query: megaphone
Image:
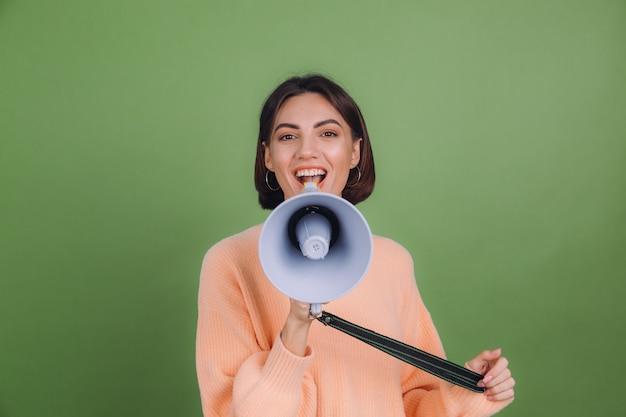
column 315, row 247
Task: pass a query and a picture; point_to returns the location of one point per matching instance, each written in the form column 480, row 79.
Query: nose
column 309, row 148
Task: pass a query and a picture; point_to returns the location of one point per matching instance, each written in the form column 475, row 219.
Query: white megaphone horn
column 315, row 247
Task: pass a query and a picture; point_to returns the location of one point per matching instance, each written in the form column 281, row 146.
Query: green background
column 127, row 133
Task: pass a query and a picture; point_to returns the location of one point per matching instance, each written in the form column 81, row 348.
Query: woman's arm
column 295, row 333
column 427, row 395
column 236, row 376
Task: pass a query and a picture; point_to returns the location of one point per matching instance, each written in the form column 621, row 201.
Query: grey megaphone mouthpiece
column 313, row 233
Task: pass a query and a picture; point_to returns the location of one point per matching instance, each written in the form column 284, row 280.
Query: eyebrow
column 316, row 125
column 289, row 125
column 327, row 122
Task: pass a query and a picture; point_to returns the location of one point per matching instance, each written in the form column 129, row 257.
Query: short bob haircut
column 358, row 187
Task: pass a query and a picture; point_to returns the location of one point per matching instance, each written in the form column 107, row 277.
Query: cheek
column 277, row 159
column 343, row 156
column 342, row 162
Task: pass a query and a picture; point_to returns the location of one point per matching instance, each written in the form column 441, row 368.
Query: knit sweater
column 244, row 369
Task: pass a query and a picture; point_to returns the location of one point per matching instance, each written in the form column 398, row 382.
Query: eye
column 329, row 134
column 287, row 136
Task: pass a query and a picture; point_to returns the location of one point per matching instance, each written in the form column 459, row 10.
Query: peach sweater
column 244, row 370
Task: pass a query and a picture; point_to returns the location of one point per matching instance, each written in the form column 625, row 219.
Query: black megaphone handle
column 441, row 368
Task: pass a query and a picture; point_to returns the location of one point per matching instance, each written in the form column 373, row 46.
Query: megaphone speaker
column 315, row 247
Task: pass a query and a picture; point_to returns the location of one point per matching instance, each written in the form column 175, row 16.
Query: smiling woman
column 311, row 143
column 258, row 352
column 337, row 118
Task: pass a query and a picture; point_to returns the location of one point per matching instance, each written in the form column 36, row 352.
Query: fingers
column 482, row 363
column 498, row 372
column 497, row 381
column 300, row 311
column 502, row 390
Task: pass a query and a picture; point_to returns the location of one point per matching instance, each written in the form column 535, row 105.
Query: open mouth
column 314, row 175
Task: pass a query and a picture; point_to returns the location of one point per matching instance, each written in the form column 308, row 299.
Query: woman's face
column 311, row 142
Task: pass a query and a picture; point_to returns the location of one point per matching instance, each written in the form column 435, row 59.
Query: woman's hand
column 296, row 329
column 497, row 379
column 300, row 311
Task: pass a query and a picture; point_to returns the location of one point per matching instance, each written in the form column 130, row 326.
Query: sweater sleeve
column 236, row 376
column 425, row 394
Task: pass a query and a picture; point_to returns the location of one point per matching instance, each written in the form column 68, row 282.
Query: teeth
column 310, row 172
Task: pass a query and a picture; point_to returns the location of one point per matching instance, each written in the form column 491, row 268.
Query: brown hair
column 269, row 198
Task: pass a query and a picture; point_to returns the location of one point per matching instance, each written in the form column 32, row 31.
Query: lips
column 315, row 175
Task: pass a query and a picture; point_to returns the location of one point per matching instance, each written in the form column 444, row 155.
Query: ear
column 356, row 152
column 268, row 159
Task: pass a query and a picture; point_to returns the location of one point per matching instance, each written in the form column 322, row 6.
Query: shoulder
column 246, row 237
column 390, row 258
column 245, row 242
column 391, row 250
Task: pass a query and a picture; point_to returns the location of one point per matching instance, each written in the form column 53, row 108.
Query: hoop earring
column 358, row 178
column 267, row 182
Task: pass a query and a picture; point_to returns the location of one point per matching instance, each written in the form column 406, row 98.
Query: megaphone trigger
column 316, row 309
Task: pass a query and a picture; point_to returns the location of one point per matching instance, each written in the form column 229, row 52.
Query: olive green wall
column 127, row 133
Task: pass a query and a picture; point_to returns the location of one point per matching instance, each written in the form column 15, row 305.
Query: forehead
column 307, row 107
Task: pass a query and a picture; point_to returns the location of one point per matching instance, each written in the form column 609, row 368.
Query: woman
column 260, row 354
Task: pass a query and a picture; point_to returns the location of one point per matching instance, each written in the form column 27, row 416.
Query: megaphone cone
column 315, row 247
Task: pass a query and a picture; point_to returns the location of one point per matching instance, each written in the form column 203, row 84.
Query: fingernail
column 487, row 379
column 481, row 384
